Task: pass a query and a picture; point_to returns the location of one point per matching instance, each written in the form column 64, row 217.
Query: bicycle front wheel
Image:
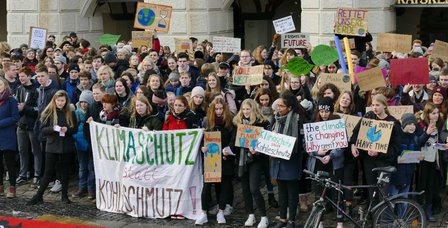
column 314, row 217
column 400, row 213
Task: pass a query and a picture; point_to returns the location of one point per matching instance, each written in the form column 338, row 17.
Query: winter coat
column 28, row 96
column 9, row 116
column 185, row 120
column 56, row 143
column 70, row 85
column 152, row 122
column 80, row 140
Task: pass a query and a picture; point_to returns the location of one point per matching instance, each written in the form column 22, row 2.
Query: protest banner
column 351, row 21
column 339, row 80
column 247, row 135
column 152, row 174
column 374, row 135
column 389, row 42
column 409, row 71
column 324, row 55
column 350, row 123
column 153, row 17
column 298, row 66
column 370, row 79
column 142, row 38
column 326, row 135
column 359, row 69
column 408, row 156
column 284, row 25
column 275, row 144
column 108, row 39
column 294, row 40
column 351, row 42
column 440, row 50
column 37, row 37
column 226, row 44
column 212, row 158
column 397, row 111
column 183, row 45
column 252, row 75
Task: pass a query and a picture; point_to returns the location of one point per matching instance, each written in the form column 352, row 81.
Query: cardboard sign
column 324, row 55
column 409, row 156
column 389, row 42
column 141, row 38
column 339, row 80
column 212, row 158
column 351, row 21
column 247, row 136
column 226, row 44
column 374, row 135
column 370, row 79
column 183, row 45
column 252, row 75
column 410, row 70
column 37, row 38
column 284, row 25
column 397, row 111
column 294, row 40
column 351, row 43
column 440, row 50
column 350, row 123
column 153, row 17
column 108, row 39
column 327, row 135
column 298, row 66
column 275, row 144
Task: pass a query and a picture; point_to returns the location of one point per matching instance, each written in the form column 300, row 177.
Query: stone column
column 318, row 17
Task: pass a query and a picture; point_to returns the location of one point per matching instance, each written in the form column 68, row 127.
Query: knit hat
column 418, row 50
column 73, row 66
column 61, row 59
column 384, row 64
column 86, row 96
column 73, row 34
column 174, row 76
column 30, row 50
column 408, row 118
column 109, row 58
column 325, row 103
column 440, row 90
column 224, row 65
column 198, row 91
column 23, row 46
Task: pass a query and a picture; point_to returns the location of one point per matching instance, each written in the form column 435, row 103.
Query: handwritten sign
column 374, row 135
column 410, row 70
column 351, row 21
column 141, row 38
column 440, row 50
column 339, row 80
column 226, row 44
column 295, row 40
column 370, row 79
column 212, row 158
column 275, row 144
column 183, row 45
column 397, row 111
column 284, row 25
column 351, row 43
column 247, row 136
column 37, row 38
column 327, row 135
column 153, row 17
column 252, row 75
column 350, row 123
column 409, row 156
column 389, row 42
column 298, row 66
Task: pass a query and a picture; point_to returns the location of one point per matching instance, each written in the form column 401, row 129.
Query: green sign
column 324, row 55
column 298, row 66
column 108, row 39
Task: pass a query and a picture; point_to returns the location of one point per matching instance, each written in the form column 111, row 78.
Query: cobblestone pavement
column 83, row 211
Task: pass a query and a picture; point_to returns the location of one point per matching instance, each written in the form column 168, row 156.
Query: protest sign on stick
column 212, row 158
column 153, row 17
column 370, row 79
column 326, row 135
column 275, row 144
column 389, row 42
column 351, row 21
column 37, row 38
column 374, row 135
column 284, row 25
column 293, row 40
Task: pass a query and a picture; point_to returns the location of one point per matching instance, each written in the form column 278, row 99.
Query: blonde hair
column 255, row 114
column 107, row 69
column 142, row 99
column 50, row 112
column 380, row 98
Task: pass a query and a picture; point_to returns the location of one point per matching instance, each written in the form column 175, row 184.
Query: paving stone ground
column 83, row 211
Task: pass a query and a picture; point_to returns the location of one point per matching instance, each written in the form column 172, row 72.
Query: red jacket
column 186, row 120
column 172, row 123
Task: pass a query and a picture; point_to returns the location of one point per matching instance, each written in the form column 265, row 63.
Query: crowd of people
column 48, row 98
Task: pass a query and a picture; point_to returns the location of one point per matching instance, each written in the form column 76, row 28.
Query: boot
column 11, row 192
column 428, row 211
column 272, row 201
column 303, row 203
column 65, row 199
column 37, row 199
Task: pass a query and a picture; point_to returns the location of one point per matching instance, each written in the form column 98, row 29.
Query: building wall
column 318, row 17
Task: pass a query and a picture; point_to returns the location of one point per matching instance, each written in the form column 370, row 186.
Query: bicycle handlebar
column 318, row 177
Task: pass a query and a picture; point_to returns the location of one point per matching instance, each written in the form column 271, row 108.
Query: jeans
column 86, row 170
column 9, row 156
column 25, row 138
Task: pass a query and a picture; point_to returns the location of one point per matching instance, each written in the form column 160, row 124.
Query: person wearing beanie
column 60, row 62
column 331, row 161
column 86, row 184
column 110, row 59
column 173, row 82
column 197, row 102
column 71, row 83
column 438, row 98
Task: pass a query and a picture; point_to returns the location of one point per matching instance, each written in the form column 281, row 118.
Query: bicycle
column 391, row 212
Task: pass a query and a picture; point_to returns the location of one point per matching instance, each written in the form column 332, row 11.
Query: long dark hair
column 290, row 100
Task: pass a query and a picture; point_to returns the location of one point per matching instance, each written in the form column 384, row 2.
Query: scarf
column 4, row 96
column 287, row 125
column 243, row 155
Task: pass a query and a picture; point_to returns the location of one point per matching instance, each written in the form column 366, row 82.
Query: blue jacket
column 9, row 116
column 80, row 140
